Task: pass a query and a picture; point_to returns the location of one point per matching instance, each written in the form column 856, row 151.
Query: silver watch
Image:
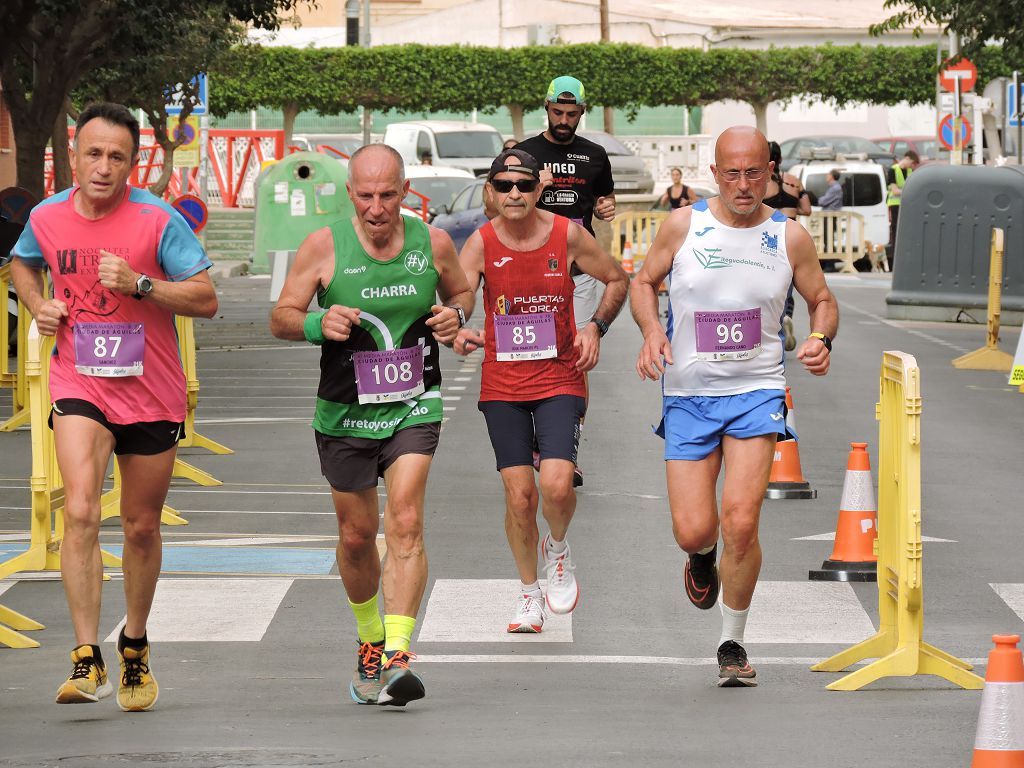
column 461, row 313
column 143, row 286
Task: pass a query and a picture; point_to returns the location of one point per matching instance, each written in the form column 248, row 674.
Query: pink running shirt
column 156, row 241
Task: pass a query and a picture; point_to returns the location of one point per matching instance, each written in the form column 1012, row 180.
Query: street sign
column 186, row 155
column 174, row 96
column 193, row 210
column 1014, row 115
column 946, row 135
column 962, row 70
column 16, row 203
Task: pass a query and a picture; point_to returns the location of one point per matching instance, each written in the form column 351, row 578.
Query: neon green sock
column 398, row 632
column 371, row 628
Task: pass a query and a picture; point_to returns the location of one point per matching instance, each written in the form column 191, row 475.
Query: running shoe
column 365, row 685
column 787, row 327
column 529, row 615
column 563, row 591
column 137, row 690
column 577, row 477
column 88, row 681
column 399, row 684
column 700, row 577
column 734, row 671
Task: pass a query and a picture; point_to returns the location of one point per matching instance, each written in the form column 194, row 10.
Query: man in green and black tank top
column 377, row 279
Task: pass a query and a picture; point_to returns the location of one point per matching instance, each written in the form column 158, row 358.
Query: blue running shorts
column 693, row 426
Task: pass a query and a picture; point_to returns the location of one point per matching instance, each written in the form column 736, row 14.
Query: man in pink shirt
column 123, row 264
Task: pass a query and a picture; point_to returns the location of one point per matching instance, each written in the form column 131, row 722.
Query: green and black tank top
column 394, row 298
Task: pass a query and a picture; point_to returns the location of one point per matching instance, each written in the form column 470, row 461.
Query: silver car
column 629, row 172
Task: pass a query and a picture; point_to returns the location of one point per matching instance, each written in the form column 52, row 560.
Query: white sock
column 734, row 623
column 706, row 550
column 554, row 547
column 533, row 590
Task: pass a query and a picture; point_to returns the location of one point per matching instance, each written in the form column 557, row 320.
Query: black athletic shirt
column 581, row 173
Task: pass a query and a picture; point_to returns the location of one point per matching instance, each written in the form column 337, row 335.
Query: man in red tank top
column 532, row 387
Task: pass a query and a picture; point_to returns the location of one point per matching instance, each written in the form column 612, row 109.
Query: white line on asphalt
column 249, row 420
column 509, row 658
column 911, row 331
column 455, row 389
column 832, row 537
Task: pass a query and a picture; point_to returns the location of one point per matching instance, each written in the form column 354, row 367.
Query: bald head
column 377, row 160
column 744, row 139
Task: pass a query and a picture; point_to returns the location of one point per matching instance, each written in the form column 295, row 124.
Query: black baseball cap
column 527, row 164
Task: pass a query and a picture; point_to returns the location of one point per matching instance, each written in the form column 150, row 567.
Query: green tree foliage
column 49, row 46
column 976, row 21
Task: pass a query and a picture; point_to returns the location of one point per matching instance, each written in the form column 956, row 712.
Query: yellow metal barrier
column 898, row 645
column 991, row 357
column 837, row 235
column 639, row 229
column 14, row 380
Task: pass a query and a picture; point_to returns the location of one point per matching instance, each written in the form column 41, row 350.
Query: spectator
column 832, row 200
column 896, row 177
column 509, row 144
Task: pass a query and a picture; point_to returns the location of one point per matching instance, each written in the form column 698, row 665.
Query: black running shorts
column 552, row 424
column 144, row 438
column 355, row 463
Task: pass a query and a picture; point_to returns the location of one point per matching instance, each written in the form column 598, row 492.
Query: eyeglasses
column 523, row 185
column 751, row 174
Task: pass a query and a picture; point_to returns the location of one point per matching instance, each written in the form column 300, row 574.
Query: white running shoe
column 563, row 591
column 529, row 615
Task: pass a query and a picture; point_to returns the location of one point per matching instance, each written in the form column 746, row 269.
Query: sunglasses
column 523, row 185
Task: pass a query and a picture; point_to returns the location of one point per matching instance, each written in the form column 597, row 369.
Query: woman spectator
column 678, row 194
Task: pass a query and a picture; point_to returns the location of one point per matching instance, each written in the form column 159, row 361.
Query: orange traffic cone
column 853, row 557
column 787, row 479
column 627, row 258
column 999, row 742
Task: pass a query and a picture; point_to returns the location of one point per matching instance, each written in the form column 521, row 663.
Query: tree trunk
column 158, row 119
column 291, row 111
column 761, row 116
column 516, row 112
column 609, row 120
column 62, row 177
column 606, row 36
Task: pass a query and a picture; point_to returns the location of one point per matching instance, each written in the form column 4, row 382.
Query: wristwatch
column 143, row 286
column 824, row 340
column 460, row 312
column 602, row 326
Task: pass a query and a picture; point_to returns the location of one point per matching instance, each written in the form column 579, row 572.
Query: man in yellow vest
column 896, row 177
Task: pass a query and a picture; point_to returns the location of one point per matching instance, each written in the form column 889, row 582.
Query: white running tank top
column 726, row 283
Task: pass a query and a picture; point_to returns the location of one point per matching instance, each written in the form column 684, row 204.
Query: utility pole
column 365, row 42
column 606, row 36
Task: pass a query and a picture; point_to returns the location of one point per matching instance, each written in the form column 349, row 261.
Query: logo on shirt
column 709, row 258
column 552, row 265
column 704, row 231
column 416, row 262
column 574, row 156
column 561, row 167
column 560, row 197
column 501, row 305
column 776, row 416
column 502, row 261
column 769, row 244
column 67, row 261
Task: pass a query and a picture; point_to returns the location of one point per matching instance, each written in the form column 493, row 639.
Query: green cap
column 566, row 84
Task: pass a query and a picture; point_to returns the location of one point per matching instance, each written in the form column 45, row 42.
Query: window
column 461, row 202
column 477, row 200
column 423, row 145
column 468, row 144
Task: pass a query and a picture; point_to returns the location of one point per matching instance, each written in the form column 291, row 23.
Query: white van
column 470, row 146
column 864, row 190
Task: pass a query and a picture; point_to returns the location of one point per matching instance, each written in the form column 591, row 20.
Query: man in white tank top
column 729, row 263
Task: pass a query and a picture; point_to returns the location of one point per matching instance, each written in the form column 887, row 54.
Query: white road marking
column 832, row 537
column 5, row 585
column 212, row 610
column 456, row 389
column 479, row 610
column 519, row 658
column 1012, row 595
column 806, row 612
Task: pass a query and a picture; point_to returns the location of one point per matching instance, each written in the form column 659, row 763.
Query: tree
column 976, row 21
column 48, row 46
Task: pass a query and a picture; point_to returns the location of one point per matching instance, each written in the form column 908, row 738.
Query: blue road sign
column 174, row 97
column 193, row 210
column 1014, row 114
column 946, row 132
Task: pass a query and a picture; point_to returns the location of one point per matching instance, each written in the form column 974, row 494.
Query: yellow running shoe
column 137, row 690
column 88, row 681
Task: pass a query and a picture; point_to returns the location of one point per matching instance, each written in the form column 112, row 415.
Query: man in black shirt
column 577, row 181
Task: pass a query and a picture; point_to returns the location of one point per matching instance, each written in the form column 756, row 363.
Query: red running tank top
column 527, row 282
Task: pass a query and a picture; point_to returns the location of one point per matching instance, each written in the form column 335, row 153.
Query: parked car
column 806, row 148
column 470, row 146
column 438, row 183
column 629, row 172
column 864, row 191
column 339, row 145
column 928, row 148
column 465, row 215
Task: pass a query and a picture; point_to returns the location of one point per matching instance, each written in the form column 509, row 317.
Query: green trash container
column 296, row 196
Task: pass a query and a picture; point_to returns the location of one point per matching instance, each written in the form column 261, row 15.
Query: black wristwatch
column 824, row 340
column 143, row 286
column 602, row 326
column 460, row 312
